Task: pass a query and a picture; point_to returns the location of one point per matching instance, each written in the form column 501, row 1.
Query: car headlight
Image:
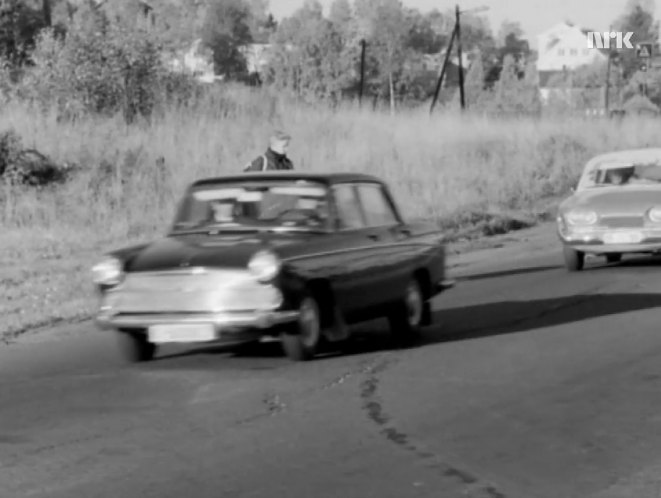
column 265, row 265
column 108, row 272
column 654, row 214
column 582, row 217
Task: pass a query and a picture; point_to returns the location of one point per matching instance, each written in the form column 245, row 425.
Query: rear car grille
column 622, row 222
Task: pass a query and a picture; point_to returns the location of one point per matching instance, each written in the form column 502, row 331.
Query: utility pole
column 608, row 77
column 456, row 33
column 461, row 65
column 445, row 63
column 46, row 9
column 362, row 71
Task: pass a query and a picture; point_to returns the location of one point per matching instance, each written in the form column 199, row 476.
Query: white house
column 198, row 61
column 561, row 49
column 257, row 56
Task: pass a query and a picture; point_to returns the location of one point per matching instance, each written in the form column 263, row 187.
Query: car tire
column 574, row 260
column 614, row 257
column 135, row 347
column 304, row 343
column 407, row 315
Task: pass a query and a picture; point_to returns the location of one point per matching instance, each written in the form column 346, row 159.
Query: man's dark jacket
column 272, row 159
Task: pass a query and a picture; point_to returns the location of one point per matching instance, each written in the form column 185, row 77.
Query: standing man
column 275, row 157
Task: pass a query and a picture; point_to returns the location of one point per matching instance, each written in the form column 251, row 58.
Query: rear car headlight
column 265, row 265
column 108, row 272
column 579, row 217
column 654, row 214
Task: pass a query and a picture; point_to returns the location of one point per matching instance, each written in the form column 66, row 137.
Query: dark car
column 297, row 256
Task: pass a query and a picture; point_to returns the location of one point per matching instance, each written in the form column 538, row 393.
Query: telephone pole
column 445, row 64
column 461, row 65
column 456, row 33
column 608, row 77
column 362, row 71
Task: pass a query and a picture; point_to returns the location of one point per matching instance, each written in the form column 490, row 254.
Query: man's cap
column 280, row 137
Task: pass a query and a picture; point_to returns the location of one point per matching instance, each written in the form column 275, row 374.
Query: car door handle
column 373, row 236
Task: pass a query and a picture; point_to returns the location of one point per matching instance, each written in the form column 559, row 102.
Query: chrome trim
column 445, row 284
column 256, row 319
column 192, row 291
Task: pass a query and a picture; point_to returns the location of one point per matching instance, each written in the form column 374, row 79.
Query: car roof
column 628, row 155
column 328, row 178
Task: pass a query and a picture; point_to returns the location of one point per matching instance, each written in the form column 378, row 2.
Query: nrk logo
column 603, row 40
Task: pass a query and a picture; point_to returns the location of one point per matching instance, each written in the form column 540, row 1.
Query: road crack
column 373, row 407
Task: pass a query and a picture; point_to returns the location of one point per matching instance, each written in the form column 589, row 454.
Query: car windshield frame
column 635, row 173
column 196, row 196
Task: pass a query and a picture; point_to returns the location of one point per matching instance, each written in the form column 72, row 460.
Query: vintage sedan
column 615, row 208
column 295, row 256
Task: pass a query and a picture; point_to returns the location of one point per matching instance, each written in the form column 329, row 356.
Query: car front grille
column 622, row 221
column 192, row 291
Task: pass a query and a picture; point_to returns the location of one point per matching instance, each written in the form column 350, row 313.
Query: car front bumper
column 223, row 322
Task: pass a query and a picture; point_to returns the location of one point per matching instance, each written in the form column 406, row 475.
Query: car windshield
column 293, row 205
column 624, row 174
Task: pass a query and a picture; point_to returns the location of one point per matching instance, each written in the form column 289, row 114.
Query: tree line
column 104, row 56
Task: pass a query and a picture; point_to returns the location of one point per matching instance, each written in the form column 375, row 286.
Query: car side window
column 378, row 210
column 348, row 208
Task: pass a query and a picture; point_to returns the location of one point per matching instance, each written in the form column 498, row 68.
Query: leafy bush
column 100, row 67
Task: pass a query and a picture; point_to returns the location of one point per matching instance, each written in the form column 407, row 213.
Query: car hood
column 615, row 200
column 227, row 250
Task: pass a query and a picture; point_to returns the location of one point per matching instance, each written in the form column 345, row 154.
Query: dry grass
column 462, row 171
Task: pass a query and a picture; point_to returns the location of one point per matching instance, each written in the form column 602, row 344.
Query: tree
column 423, row 38
column 20, row 23
column 509, row 28
column 225, row 32
column 639, row 19
column 474, row 85
column 311, row 56
column 387, row 28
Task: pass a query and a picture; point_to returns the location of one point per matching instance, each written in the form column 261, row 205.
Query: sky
column 534, row 16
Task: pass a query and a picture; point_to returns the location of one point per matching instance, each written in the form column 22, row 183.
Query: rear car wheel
column 614, row 257
column 135, row 347
column 304, row 343
column 574, row 260
column 407, row 315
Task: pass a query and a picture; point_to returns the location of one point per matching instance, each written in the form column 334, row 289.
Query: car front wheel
column 135, row 347
column 303, row 344
column 408, row 314
column 574, row 260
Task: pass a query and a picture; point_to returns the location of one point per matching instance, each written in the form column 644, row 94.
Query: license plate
column 623, row 237
column 182, row 333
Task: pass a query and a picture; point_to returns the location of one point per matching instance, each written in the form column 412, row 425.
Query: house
column 197, row 61
column 561, row 49
column 433, row 63
column 257, row 56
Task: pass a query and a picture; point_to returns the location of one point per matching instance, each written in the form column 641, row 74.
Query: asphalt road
column 534, row 383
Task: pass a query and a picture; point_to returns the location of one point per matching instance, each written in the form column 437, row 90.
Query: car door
column 391, row 259
column 351, row 251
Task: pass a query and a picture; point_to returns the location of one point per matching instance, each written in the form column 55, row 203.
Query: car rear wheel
column 614, row 257
column 408, row 314
column 304, row 342
column 135, row 347
column 574, row 260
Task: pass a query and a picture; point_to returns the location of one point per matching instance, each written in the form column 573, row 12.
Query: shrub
column 100, row 67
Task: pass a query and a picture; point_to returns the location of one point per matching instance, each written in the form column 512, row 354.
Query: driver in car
column 619, row 176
